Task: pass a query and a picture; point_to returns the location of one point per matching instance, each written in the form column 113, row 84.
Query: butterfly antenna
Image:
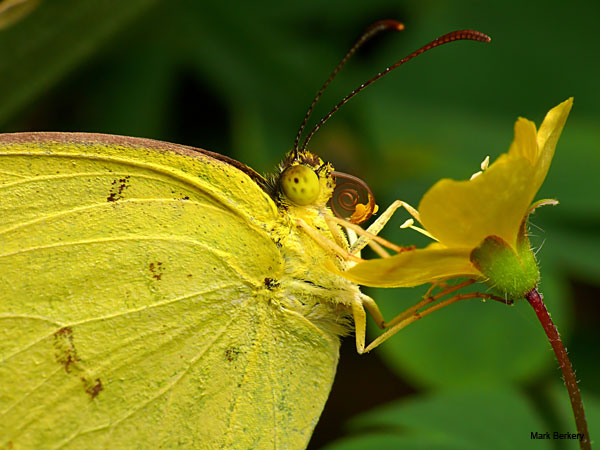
column 374, row 29
column 459, row 35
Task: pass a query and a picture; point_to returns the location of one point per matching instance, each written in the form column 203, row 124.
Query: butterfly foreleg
column 326, row 242
column 376, row 227
column 352, row 231
column 370, row 235
column 367, row 237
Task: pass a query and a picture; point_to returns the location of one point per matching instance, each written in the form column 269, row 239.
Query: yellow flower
column 479, row 225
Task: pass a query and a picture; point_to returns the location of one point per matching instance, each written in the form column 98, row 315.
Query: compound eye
column 300, row 184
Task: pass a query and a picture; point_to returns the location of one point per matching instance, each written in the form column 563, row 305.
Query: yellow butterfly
column 153, row 295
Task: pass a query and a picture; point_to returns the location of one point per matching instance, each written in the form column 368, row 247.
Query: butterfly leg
column 425, row 307
column 373, row 309
column 367, row 237
column 352, row 230
column 399, row 322
column 390, row 332
column 327, row 243
column 360, row 319
column 360, row 325
column 379, row 223
column 370, row 235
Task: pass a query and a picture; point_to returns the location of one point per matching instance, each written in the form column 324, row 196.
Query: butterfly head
column 305, row 180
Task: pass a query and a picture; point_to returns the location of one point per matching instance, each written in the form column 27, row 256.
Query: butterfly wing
column 138, row 302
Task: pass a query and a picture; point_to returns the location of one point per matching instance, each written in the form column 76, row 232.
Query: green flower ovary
column 512, row 273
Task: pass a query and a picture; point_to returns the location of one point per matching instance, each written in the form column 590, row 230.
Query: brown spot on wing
column 157, row 270
column 66, row 355
column 231, row 354
column 118, row 186
column 93, row 388
column 64, row 349
column 270, row 283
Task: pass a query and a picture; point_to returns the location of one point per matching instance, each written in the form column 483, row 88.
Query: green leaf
column 573, row 248
column 466, row 419
column 55, row 38
column 391, row 441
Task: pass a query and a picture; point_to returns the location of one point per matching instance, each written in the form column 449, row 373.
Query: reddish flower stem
column 535, row 300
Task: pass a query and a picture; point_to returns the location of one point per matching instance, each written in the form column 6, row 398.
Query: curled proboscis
column 352, row 198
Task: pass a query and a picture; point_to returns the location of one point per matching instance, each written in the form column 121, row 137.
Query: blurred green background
column 237, row 78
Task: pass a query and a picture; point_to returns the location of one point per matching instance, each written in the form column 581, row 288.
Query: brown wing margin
column 111, row 139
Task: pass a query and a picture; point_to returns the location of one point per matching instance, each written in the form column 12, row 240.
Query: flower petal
column 463, row 213
column 547, row 138
column 525, row 142
column 413, row 267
